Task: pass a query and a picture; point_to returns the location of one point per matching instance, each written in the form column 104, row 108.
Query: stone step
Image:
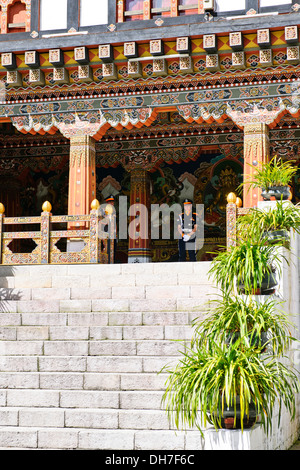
column 165, row 304
column 100, row 439
column 86, row 363
column 92, row 418
column 68, row 332
column 90, row 348
column 85, row 274
column 83, row 380
column 82, row 399
column 103, row 319
column 82, row 352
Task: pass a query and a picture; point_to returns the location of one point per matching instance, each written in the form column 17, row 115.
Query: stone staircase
column 81, row 348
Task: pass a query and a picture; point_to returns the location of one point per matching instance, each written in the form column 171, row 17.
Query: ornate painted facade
column 160, row 101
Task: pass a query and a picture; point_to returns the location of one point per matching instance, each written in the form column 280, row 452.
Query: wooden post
column 2, row 215
column 147, row 10
column 45, row 233
column 231, row 211
column 139, row 222
column 94, row 237
column 174, row 8
column 200, row 7
column 120, row 12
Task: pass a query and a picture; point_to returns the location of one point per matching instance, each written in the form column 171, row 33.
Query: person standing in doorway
column 187, row 227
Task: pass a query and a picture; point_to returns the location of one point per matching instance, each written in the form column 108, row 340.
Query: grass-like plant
column 274, row 173
column 284, row 216
column 210, row 378
column 262, row 325
column 247, row 264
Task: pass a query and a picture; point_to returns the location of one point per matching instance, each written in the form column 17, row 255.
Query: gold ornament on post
column 47, row 207
column 231, row 198
column 95, row 205
column 239, row 202
column 2, row 208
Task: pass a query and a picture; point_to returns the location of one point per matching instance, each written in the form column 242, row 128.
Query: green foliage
column 234, row 316
column 284, row 216
column 274, row 173
column 236, row 356
column 247, row 263
column 208, row 379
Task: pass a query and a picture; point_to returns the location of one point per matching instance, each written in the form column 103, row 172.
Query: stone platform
column 81, row 350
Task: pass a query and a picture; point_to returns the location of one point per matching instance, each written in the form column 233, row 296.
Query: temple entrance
column 35, row 169
column 206, row 180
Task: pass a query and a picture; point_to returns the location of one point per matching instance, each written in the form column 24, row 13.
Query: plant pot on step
column 278, row 193
column 231, row 417
column 260, row 342
column 274, row 236
column 267, row 287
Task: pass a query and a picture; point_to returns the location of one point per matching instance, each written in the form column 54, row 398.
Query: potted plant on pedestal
column 273, row 179
column 250, row 267
column 263, row 324
column 228, row 385
column 274, row 222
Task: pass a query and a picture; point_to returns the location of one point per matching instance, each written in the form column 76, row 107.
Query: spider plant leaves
column 276, row 172
column 236, row 356
column 211, row 378
column 247, row 263
column 263, row 325
column 284, row 216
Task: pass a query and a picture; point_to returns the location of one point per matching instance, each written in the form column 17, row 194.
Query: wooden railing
column 233, row 211
column 86, row 229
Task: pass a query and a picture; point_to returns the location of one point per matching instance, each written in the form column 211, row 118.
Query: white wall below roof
column 53, row 14
column 229, row 5
column 232, row 5
column 93, row 12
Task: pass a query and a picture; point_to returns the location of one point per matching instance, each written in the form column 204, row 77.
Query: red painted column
column 256, row 153
column 139, row 217
column 82, row 176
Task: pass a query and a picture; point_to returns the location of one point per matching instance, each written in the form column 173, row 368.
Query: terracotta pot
column 267, row 287
column 228, row 418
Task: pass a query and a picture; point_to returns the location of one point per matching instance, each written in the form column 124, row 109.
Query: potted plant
column 263, row 325
column 274, row 178
column 250, row 267
column 228, row 385
column 273, row 222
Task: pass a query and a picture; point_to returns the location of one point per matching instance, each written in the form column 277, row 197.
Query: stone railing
column 94, row 247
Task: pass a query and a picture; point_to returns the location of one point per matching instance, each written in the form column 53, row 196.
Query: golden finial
column 239, row 202
column 95, row 205
column 231, row 198
column 47, row 207
column 2, row 208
